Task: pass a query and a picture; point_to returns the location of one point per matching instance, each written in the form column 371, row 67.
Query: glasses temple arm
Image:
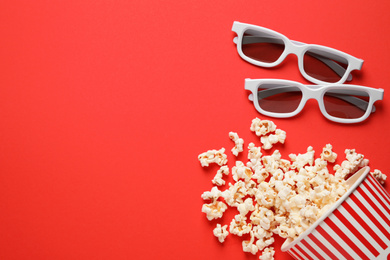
column 360, row 103
column 347, row 96
column 339, row 70
column 246, row 39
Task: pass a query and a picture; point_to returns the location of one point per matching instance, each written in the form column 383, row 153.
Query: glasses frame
column 314, row 92
column 297, row 48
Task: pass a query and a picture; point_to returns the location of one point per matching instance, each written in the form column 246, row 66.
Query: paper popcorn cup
column 356, row 227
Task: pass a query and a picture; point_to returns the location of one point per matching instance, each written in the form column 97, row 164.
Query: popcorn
column 254, row 154
column 355, row 158
column 248, row 246
column 301, row 160
column 289, row 177
column 320, row 172
column 273, row 195
column 240, row 171
column 285, row 193
column 262, row 127
column 224, row 170
column 309, row 213
column 251, row 188
column 265, row 195
column 351, row 164
column 239, row 142
column 260, row 174
column 320, row 193
column 213, row 156
column 283, row 230
column 265, row 222
column 261, row 234
column 269, row 140
column 272, row 162
column 264, row 243
column 214, row 210
column 262, row 217
column 268, row 254
column 235, row 194
column 342, row 171
column 285, row 165
column 239, row 226
column 379, row 176
column 297, row 201
column 246, row 206
column 327, row 154
column 221, row 232
column 214, row 194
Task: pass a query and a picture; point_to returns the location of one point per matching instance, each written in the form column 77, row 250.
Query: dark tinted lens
column 261, row 46
column 348, row 106
column 279, row 99
column 324, row 66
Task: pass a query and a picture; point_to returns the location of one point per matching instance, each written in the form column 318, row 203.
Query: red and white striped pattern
column 358, row 229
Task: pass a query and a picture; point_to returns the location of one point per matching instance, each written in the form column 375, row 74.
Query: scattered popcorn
column 268, row 254
column 355, row 158
column 273, row 195
column 272, row 162
column 224, row 170
column 264, row 243
column 260, row 174
column 261, row 234
column 246, row 206
column 214, row 210
column 301, row 160
column 221, row 232
column 213, row 156
column 342, row 172
column 239, row 226
column 379, row 176
column 262, row 127
column 309, row 213
column 351, row 164
column 269, row 140
column 285, row 165
column 248, row 246
column 251, row 188
column 214, row 194
column 235, row 194
column 262, row 217
column 265, row 195
column 327, row 154
column 239, row 143
column 254, row 154
column 240, row 171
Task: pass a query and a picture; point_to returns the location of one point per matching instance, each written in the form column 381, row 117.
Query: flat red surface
column 105, row 106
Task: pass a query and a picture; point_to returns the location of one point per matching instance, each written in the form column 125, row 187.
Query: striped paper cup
column 356, row 227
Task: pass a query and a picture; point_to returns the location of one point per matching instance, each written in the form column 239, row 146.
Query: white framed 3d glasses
column 318, row 64
column 340, row 103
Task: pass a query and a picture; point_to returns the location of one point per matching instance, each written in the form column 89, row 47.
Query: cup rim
column 289, row 243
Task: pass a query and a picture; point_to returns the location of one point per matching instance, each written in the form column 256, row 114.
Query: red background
column 105, row 106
